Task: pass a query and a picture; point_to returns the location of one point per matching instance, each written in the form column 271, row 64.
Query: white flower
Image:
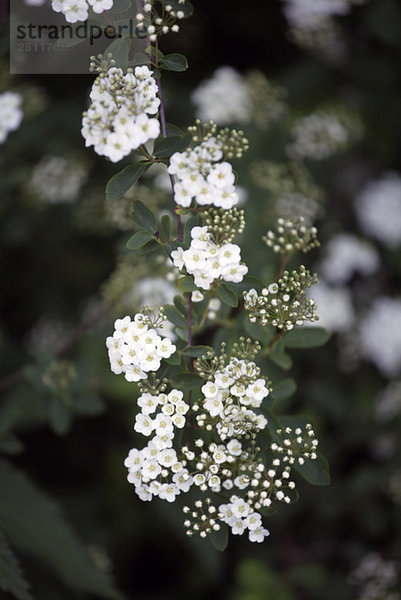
column 148, row 403
column 258, row 534
column 136, row 349
column 99, row 6
column 201, row 177
column 118, row 121
column 75, row 10
column 144, row 424
column 163, row 424
column 167, row 457
column 175, row 396
column 183, row 480
column 165, row 348
column 168, row 491
column 234, row 447
column 134, row 460
column 253, row 521
column 237, row 526
column 240, row 508
column 150, row 469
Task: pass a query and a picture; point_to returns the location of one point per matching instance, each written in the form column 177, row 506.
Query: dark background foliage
column 51, row 266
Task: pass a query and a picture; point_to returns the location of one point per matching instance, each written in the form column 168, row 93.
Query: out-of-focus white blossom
column 311, row 14
column 10, row 113
column 57, row 179
column 318, row 136
column 334, row 307
column 378, row 209
column 345, row 255
column 224, row 98
column 380, row 335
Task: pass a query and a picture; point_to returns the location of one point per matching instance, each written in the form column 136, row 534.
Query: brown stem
column 164, row 134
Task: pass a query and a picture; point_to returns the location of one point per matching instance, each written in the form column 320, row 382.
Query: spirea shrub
column 205, row 411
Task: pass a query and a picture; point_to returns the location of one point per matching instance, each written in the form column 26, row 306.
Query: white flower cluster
column 240, row 516
column 378, row 209
column 156, row 470
column 318, row 136
column 213, row 102
column 345, row 255
column 135, row 348
column 77, row 10
column 380, row 335
column 230, row 398
column 202, row 177
column 334, row 305
column 207, row 262
column 117, row 121
column 10, row 114
column 57, row 180
column 312, row 14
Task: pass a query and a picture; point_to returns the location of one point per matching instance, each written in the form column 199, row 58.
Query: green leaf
column 144, row 218
column 173, row 130
column 219, row 539
column 259, row 332
column 197, row 351
column 273, row 423
column 140, row 58
column 165, row 147
column 278, row 356
column 34, row 525
column 165, row 228
column 284, row 389
column 89, row 405
column 171, row 246
column 120, row 50
column 120, row 6
column 174, row 359
column 59, row 416
column 189, row 225
column 122, row 181
column 306, row 337
column 186, row 284
column 10, row 444
column 247, row 283
column 227, row 296
column 181, row 305
column 175, row 316
column 185, row 380
column 315, row 472
column 11, row 576
column 139, row 239
column 174, row 62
